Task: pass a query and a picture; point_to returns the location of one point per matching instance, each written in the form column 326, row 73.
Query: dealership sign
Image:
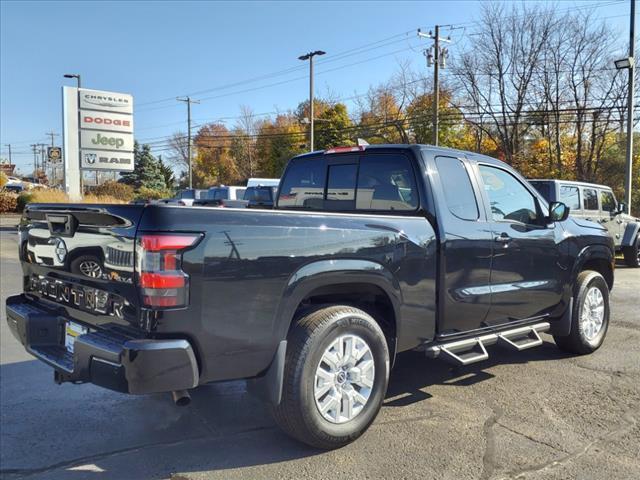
column 106, row 130
column 106, row 121
column 106, row 101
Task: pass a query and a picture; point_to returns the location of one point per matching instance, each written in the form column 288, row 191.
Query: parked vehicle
column 597, row 203
column 223, row 196
column 186, row 197
column 370, row 251
column 264, row 182
column 13, row 187
column 260, row 196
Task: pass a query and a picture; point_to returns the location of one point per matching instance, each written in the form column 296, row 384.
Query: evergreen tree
column 167, row 173
column 147, row 171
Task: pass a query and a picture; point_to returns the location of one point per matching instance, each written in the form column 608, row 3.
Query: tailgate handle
column 64, row 225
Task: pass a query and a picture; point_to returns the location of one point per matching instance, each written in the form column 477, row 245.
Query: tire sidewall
column 593, row 280
column 365, row 327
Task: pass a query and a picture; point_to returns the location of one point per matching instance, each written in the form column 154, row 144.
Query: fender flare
column 630, row 234
column 562, row 326
column 301, row 283
column 324, row 273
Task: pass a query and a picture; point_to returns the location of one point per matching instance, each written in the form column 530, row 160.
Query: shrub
column 48, row 195
column 115, row 190
column 152, row 194
column 90, row 198
column 8, row 202
column 3, row 179
column 23, row 199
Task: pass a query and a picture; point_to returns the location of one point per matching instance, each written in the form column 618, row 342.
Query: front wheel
column 632, row 254
column 335, row 378
column 590, row 316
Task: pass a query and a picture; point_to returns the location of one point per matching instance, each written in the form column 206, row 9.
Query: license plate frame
column 71, row 331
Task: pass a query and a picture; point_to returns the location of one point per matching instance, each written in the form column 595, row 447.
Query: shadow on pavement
column 49, row 428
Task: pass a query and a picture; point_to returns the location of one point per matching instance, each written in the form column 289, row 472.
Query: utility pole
column 628, row 174
column 309, row 56
column 34, row 147
column 43, row 157
column 52, row 134
column 53, row 167
column 8, row 145
column 437, row 58
column 189, row 101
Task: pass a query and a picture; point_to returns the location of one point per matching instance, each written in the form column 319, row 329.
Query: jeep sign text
column 106, row 140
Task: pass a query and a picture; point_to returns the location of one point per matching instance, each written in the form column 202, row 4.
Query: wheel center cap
column 341, row 377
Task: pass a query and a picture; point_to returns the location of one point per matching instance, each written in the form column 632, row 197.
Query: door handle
column 502, row 238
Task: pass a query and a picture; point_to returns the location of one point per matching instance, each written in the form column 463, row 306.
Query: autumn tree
column 213, row 163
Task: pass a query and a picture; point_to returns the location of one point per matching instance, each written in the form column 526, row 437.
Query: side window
column 458, row 191
column 570, row 196
column 509, row 199
column 303, row 184
column 386, row 182
column 608, row 201
column 590, row 199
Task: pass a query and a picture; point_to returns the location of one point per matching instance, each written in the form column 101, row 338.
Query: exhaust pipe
column 181, row 398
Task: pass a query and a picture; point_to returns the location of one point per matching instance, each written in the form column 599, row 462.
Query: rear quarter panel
column 254, row 266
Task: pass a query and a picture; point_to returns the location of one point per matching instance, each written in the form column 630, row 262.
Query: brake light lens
column 359, row 148
column 162, row 281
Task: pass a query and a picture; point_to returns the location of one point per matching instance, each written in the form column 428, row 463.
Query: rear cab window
column 458, row 190
column 367, row 182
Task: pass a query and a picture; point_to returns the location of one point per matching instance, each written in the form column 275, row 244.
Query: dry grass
column 57, row 196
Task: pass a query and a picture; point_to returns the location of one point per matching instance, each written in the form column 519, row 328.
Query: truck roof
column 570, row 182
column 436, row 150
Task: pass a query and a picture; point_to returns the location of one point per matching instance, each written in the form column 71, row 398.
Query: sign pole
column 71, row 151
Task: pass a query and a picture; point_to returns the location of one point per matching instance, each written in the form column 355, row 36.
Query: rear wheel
column 632, row 254
column 590, row 318
column 335, row 379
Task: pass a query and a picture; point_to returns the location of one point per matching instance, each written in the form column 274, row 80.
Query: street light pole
column 628, row 177
column 73, row 75
column 309, row 56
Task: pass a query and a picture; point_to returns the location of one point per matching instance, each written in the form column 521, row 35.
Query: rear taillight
column 162, row 282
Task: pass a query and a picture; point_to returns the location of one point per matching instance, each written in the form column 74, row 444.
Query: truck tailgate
column 79, row 260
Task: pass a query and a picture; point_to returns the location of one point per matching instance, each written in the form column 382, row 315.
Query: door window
column 608, row 201
column 509, row 199
column 458, row 191
column 590, row 199
column 570, row 196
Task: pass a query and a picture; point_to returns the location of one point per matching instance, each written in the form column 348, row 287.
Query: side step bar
column 472, row 350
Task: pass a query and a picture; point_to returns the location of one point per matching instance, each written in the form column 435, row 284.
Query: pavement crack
column 629, row 423
column 489, row 456
column 530, row 438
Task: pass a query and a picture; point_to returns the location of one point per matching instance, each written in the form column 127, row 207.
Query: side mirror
column 558, row 212
column 622, row 208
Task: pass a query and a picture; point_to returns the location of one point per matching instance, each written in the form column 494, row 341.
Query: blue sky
column 159, row 50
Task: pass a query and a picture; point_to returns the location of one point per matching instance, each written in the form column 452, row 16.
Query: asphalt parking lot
column 537, row 414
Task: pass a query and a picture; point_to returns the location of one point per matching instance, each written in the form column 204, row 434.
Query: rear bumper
column 107, row 358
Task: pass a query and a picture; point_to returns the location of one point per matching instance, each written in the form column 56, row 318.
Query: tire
column 632, row 254
column 311, row 341
column 585, row 336
column 87, row 265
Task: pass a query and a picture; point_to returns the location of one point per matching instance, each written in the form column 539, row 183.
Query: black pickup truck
column 369, row 252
